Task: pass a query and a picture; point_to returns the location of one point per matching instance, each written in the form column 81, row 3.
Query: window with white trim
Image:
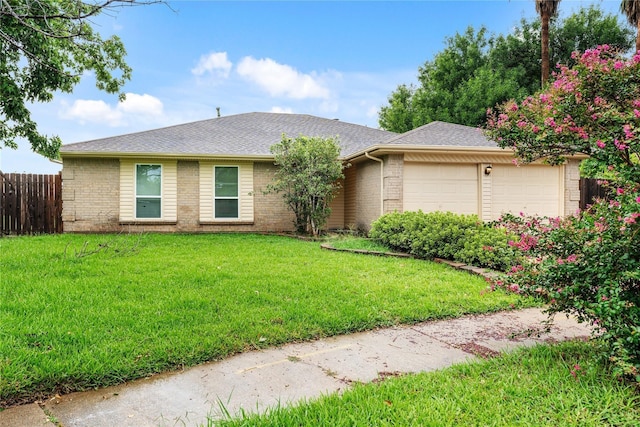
column 148, row 191
column 226, row 192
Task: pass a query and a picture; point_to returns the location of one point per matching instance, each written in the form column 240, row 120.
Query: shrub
column 588, row 265
column 462, row 238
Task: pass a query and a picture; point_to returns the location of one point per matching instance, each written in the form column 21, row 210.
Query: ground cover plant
column 357, row 243
column 82, row 311
column 554, row 385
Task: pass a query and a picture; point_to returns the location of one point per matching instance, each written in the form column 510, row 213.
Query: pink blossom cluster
column 526, row 242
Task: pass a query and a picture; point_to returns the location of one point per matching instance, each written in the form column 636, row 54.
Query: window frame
column 139, row 196
column 216, row 198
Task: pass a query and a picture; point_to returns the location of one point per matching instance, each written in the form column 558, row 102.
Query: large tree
column 46, row 46
column 475, row 71
column 631, row 8
column 547, row 9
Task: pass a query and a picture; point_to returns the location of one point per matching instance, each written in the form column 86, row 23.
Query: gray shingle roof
column 443, row 134
column 248, row 134
column 251, row 134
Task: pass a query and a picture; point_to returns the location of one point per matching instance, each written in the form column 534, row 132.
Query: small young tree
column 308, row 172
column 587, row 264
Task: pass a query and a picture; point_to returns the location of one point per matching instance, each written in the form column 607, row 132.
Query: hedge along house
column 208, row 176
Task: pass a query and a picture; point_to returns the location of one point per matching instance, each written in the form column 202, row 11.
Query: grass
column 361, row 243
column 83, row 311
column 540, row 386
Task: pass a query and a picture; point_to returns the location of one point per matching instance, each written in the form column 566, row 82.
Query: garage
column 534, row 189
column 441, row 187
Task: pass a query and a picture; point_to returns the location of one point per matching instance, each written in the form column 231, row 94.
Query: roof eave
column 179, row 156
column 381, row 149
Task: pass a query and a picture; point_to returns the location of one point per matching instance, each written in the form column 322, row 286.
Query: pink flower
column 619, row 191
column 600, row 144
column 618, row 65
column 627, row 131
column 572, row 258
column 620, row 145
column 638, row 199
column 636, row 113
column 560, row 261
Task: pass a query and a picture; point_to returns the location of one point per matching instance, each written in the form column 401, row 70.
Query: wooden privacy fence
column 589, row 191
column 31, row 204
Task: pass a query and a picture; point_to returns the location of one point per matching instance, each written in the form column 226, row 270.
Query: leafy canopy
column 307, row 176
column 46, row 46
column 476, row 70
column 587, row 264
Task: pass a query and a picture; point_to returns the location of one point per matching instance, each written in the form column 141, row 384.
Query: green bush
column 462, row 238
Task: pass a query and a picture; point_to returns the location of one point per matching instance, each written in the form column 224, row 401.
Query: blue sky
column 334, row 59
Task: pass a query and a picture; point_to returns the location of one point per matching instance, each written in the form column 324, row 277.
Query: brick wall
column 188, row 195
column 393, row 177
column 571, row 187
column 271, row 213
column 367, row 194
column 90, row 194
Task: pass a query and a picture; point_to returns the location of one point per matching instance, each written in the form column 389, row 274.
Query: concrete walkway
column 256, row 380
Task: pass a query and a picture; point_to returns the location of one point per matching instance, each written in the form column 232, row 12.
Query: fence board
column 31, row 204
column 590, row 190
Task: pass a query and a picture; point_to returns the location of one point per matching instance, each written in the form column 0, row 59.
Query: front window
column 225, row 192
column 148, row 191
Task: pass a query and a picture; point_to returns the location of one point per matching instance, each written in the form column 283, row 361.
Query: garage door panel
column 533, row 189
column 440, row 187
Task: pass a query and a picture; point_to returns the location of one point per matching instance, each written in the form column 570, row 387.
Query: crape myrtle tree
column 46, row 46
column 587, row 264
column 308, row 174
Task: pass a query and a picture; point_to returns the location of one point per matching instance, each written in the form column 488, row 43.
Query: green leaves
column 476, row 71
column 45, row 46
column 308, row 174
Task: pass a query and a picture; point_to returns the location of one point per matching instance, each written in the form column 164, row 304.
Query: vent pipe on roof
column 218, row 110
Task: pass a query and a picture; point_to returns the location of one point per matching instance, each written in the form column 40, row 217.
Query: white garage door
column 440, row 187
column 531, row 189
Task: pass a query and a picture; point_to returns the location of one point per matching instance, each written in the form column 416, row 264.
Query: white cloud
column 141, row 104
column 215, row 63
column 87, row 110
column 281, row 110
column 281, row 80
column 133, row 109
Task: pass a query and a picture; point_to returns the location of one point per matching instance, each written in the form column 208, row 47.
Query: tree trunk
column 544, row 37
column 638, row 37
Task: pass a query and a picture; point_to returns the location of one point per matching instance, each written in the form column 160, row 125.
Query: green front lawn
column 559, row 385
column 82, row 311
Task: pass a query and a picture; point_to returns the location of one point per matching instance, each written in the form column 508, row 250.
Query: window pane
column 226, row 181
column 227, row 208
column 148, row 179
column 147, row 208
